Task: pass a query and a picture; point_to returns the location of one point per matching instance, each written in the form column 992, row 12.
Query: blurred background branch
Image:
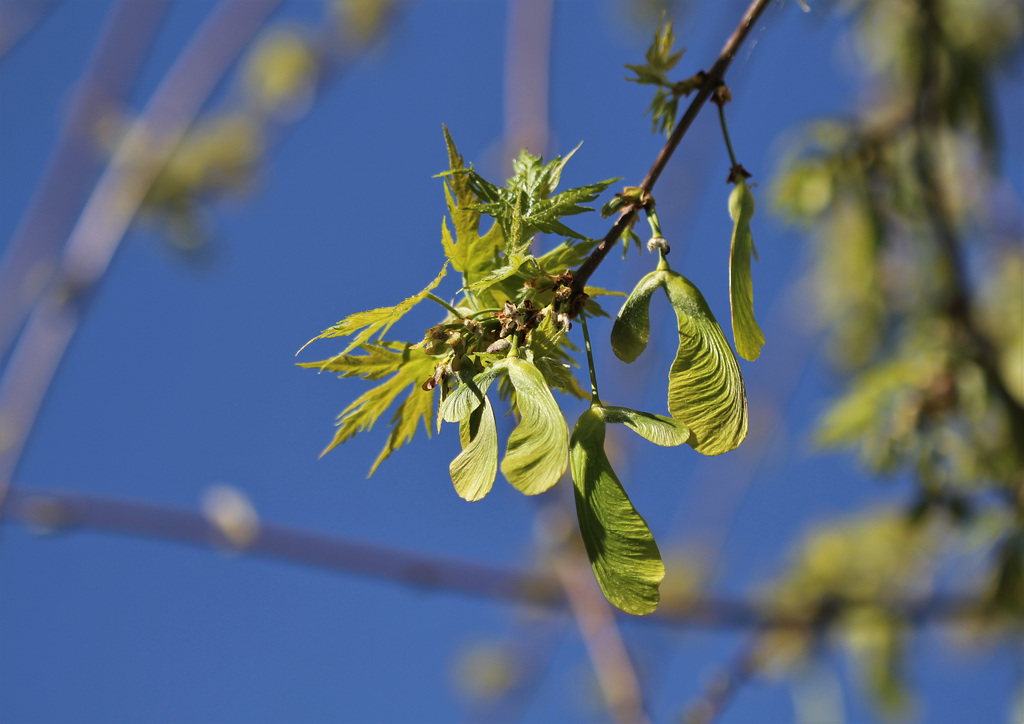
column 112, row 205
column 51, row 513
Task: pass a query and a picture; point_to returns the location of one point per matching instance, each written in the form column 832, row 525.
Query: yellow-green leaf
column 538, row 448
column 379, row 361
column 375, row 320
column 469, row 252
column 456, row 253
column 418, row 406
column 474, row 469
column 550, row 347
column 745, row 330
column 868, row 405
column 622, row 551
column 601, row 292
column 512, row 264
column 567, row 255
column 366, row 409
column 467, row 221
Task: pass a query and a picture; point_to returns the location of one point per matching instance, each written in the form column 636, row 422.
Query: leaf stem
column 594, row 397
column 652, row 219
column 662, row 261
column 725, row 134
column 434, row 298
column 481, row 312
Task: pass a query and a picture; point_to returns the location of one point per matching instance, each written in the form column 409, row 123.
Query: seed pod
column 622, row 551
column 706, row 390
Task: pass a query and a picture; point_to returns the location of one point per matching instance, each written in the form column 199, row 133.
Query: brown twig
column 50, row 511
column 712, row 79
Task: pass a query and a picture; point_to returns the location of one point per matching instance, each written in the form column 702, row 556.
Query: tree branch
column 724, row 686
column 596, row 621
column 108, row 213
column 49, row 511
column 31, row 256
column 53, row 511
column 712, row 79
column 18, row 20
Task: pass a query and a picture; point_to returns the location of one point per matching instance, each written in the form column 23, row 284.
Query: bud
column 434, row 340
column 500, row 346
column 658, row 243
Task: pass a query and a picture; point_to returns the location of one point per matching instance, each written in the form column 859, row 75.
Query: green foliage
column 467, row 396
column 406, row 366
column 660, row 60
column 622, row 551
column 919, row 293
column 552, row 354
column 510, row 324
column 880, row 399
column 858, row 569
column 661, row 430
column 509, row 299
column 525, row 206
column 632, row 328
column 473, row 255
column 706, row 390
column 745, row 331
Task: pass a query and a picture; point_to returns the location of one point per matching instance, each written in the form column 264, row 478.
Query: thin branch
column 18, row 20
column 595, row 398
column 49, row 511
column 52, row 511
column 712, row 79
column 724, row 687
column 605, row 647
column 527, row 76
column 31, row 256
column 109, row 211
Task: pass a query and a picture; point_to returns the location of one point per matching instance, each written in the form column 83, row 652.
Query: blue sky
column 182, row 377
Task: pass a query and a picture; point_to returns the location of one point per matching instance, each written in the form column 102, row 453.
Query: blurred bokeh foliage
column 274, row 85
column 920, row 293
